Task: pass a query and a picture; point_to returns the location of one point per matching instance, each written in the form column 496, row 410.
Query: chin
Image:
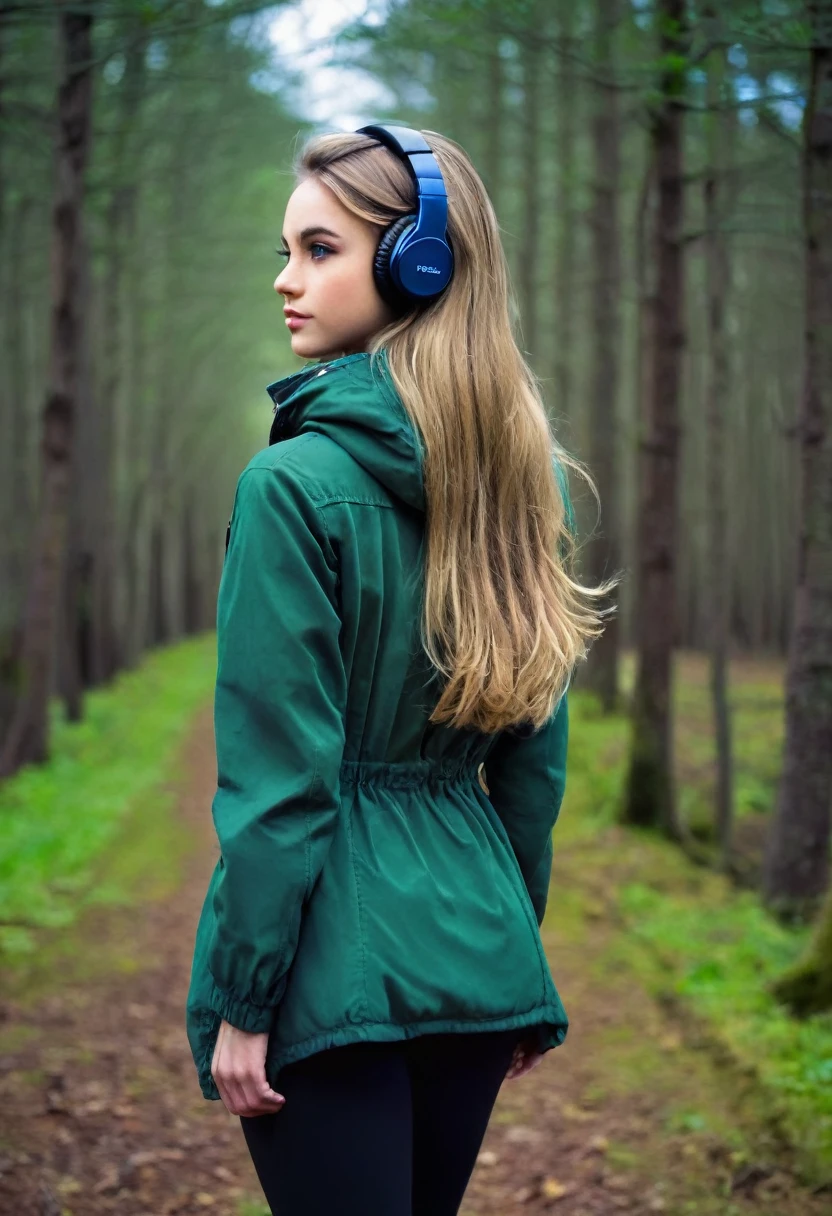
column 307, row 348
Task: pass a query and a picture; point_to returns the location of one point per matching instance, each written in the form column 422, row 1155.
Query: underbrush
column 693, row 939
column 60, row 819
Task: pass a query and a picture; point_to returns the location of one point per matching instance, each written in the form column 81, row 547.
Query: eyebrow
column 315, row 230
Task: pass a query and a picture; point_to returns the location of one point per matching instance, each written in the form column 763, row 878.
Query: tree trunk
column 17, row 437
column 159, row 628
column 108, row 646
column 601, row 675
column 564, row 202
column 807, row 987
column 530, row 244
column 643, row 275
column 19, row 422
column 27, row 737
column 650, row 796
column 191, row 590
column 74, row 633
column 718, row 273
column 493, row 159
column 797, row 857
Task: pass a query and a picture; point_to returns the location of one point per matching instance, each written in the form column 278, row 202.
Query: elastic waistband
column 405, row 774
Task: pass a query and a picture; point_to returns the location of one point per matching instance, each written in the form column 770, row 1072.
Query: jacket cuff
column 254, row 1019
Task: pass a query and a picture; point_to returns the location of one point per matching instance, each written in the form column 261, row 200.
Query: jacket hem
column 243, row 1014
column 550, row 1021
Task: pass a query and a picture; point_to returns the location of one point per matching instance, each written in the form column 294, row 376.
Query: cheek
column 352, row 289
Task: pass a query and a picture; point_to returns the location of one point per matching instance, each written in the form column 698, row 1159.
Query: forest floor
column 637, row 1112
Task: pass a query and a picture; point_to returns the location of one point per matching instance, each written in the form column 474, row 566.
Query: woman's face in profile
column 328, row 277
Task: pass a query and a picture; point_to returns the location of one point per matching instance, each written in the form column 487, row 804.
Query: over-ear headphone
column 414, row 262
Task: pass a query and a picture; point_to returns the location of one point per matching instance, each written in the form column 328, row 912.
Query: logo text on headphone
column 429, row 269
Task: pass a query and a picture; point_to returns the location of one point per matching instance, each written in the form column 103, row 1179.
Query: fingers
column 516, row 1062
column 254, row 1096
column 238, row 1069
column 522, row 1062
column 529, row 1063
column 259, row 1096
column 248, row 1095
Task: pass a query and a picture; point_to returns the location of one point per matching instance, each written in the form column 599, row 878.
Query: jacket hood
column 353, row 400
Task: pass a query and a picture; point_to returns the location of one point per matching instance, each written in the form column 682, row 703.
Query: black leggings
column 380, row 1129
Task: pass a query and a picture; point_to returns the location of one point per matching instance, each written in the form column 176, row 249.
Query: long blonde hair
column 504, row 621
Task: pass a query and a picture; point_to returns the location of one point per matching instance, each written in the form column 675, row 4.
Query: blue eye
column 284, row 253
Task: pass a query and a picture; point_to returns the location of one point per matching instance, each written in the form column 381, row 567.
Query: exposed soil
column 101, row 1111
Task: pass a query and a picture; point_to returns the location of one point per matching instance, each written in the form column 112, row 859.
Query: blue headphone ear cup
column 387, row 289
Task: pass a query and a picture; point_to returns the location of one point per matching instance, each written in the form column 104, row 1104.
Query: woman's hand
column 525, row 1058
column 239, row 1070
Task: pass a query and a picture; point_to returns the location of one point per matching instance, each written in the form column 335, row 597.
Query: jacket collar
column 353, row 400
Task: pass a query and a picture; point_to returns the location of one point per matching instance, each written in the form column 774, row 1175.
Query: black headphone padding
column 387, row 289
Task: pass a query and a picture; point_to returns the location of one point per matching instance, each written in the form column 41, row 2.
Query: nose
column 283, row 284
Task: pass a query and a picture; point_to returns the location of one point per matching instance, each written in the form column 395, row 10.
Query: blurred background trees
column 137, row 327
column 660, row 170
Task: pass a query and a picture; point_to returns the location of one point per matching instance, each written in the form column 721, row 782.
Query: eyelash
column 284, row 253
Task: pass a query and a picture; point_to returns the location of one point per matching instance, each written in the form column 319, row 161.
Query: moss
column 702, row 948
column 93, row 828
column 806, row 988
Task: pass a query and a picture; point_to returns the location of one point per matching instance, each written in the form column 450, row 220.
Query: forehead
column 312, row 202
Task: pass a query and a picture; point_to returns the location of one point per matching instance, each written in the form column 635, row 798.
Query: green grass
column 689, row 935
column 94, row 826
column 59, row 818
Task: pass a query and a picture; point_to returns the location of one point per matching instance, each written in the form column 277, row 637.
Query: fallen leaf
column 616, row 1182
column 144, row 1157
column 550, row 1188
column 519, row 1133
column 141, row 1011
column 109, row 1180
column 487, row 1157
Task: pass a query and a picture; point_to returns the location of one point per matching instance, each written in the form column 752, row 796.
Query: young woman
column 397, row 627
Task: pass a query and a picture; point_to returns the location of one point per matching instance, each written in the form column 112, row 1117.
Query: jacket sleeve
column 279, row 725
column 526, row 779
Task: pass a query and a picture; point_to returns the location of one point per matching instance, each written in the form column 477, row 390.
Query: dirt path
column 101, row 1111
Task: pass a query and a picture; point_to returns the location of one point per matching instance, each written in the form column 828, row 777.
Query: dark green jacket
column 366, row 887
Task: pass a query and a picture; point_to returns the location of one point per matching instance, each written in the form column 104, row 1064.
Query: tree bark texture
column 27, row 736
column 565, row 267
column 718, row 274
column 650, row 797
column 604, row 554
column 797, row 856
